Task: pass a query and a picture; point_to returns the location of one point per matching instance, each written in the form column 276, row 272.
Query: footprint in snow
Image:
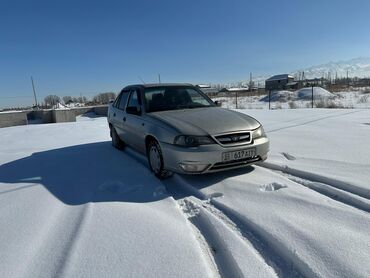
column 159, row 191
column 272, row 187
column 288, row 156
column 215, row 195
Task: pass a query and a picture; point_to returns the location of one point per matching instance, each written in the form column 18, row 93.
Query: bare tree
column 66, row 99
column 104, row 98
column 51, row 100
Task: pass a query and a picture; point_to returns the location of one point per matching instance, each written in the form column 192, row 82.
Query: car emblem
column 235, row 138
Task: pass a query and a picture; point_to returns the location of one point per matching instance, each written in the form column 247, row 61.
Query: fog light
column 193, row 167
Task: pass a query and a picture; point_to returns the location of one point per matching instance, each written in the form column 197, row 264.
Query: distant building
column 238, row 89
column 235, row 90
column 280, row 82
column 209, row 91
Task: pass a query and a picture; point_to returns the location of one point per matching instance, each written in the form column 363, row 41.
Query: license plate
column 237, row 155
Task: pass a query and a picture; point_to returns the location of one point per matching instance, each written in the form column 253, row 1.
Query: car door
column 134, row 124
column 119, row 114
column 112, row 111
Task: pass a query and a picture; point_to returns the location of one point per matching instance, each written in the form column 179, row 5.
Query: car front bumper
column 209, row 157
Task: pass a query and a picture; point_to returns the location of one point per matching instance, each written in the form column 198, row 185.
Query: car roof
column 154, row 85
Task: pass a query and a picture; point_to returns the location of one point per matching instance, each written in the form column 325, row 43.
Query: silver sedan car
column 181, row 130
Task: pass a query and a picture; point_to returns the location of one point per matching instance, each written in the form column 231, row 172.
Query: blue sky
column 87, row 47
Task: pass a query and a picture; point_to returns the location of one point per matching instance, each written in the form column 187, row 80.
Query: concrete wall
column 98, row 110
column 44, row 115
column 82, row 110
column 13, row 118
column 62, row 116
column 49, row 116
column 101, row 110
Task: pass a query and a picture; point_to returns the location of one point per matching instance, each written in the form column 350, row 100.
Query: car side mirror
column 218, row 103
column 133, row 110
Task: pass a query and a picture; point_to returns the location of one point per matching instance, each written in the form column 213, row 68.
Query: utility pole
column 250, row 82
column 347, row 80
column 34, row 91
column 159, row 78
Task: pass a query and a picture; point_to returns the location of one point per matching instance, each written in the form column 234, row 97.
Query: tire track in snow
column 233, row 254
column 333, row 193
column 276, row 256
column 338, row 184
column 287, row 264
column 56, row 241
column 283, row 263
column 82, row 216
column 189, row 212
column 333, row 115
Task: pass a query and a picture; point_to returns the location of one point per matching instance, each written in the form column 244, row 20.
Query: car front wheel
column 155, row 160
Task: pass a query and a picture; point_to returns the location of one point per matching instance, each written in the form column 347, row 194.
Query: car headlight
column 192, row 141
column 259, row 132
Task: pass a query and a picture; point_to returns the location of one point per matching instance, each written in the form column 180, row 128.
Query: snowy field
column 73, row 206
column 300, row 99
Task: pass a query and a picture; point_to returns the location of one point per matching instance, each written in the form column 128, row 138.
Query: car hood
column 204, row 121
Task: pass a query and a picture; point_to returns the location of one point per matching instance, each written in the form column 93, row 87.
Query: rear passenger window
column 123, row 100
column 134, row 101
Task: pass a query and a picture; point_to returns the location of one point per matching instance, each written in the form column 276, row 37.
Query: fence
column 309, row 97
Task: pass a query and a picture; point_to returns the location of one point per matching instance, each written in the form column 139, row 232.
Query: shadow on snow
column 97, row 172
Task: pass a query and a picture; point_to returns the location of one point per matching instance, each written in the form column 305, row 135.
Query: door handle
column 124, row 119
column 114, row 114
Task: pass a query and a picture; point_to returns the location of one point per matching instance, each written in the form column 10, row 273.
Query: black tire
column 155, row 160
column 116, row 141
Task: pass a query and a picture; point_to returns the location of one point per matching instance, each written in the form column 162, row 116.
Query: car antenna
column 141, row 80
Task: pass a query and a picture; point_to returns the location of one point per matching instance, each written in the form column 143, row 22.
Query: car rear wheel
column 116, row 141
column 155, row 160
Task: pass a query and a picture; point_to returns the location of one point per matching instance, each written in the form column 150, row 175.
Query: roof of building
column 236, row 89
column 292, row 83
column 279, row 77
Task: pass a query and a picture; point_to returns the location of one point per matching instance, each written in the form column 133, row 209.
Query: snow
column 10, row 111
column 300, row 99
column 359, row 67
column 306, row 93
column 71, row 205
column 236, row 89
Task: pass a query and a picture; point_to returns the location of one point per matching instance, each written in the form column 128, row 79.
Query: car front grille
column 234, row 138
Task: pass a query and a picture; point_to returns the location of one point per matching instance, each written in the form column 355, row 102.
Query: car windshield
column 174, row 98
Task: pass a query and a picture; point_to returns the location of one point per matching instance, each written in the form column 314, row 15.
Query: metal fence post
column 269, row 99
column 312, row 97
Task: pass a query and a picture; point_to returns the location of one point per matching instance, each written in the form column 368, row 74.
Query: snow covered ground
column 72, row 206
column 300, row 99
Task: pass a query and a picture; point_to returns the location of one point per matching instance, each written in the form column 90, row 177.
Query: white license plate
column 237, row 155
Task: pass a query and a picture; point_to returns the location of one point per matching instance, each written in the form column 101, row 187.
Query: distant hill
column 357, row 67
